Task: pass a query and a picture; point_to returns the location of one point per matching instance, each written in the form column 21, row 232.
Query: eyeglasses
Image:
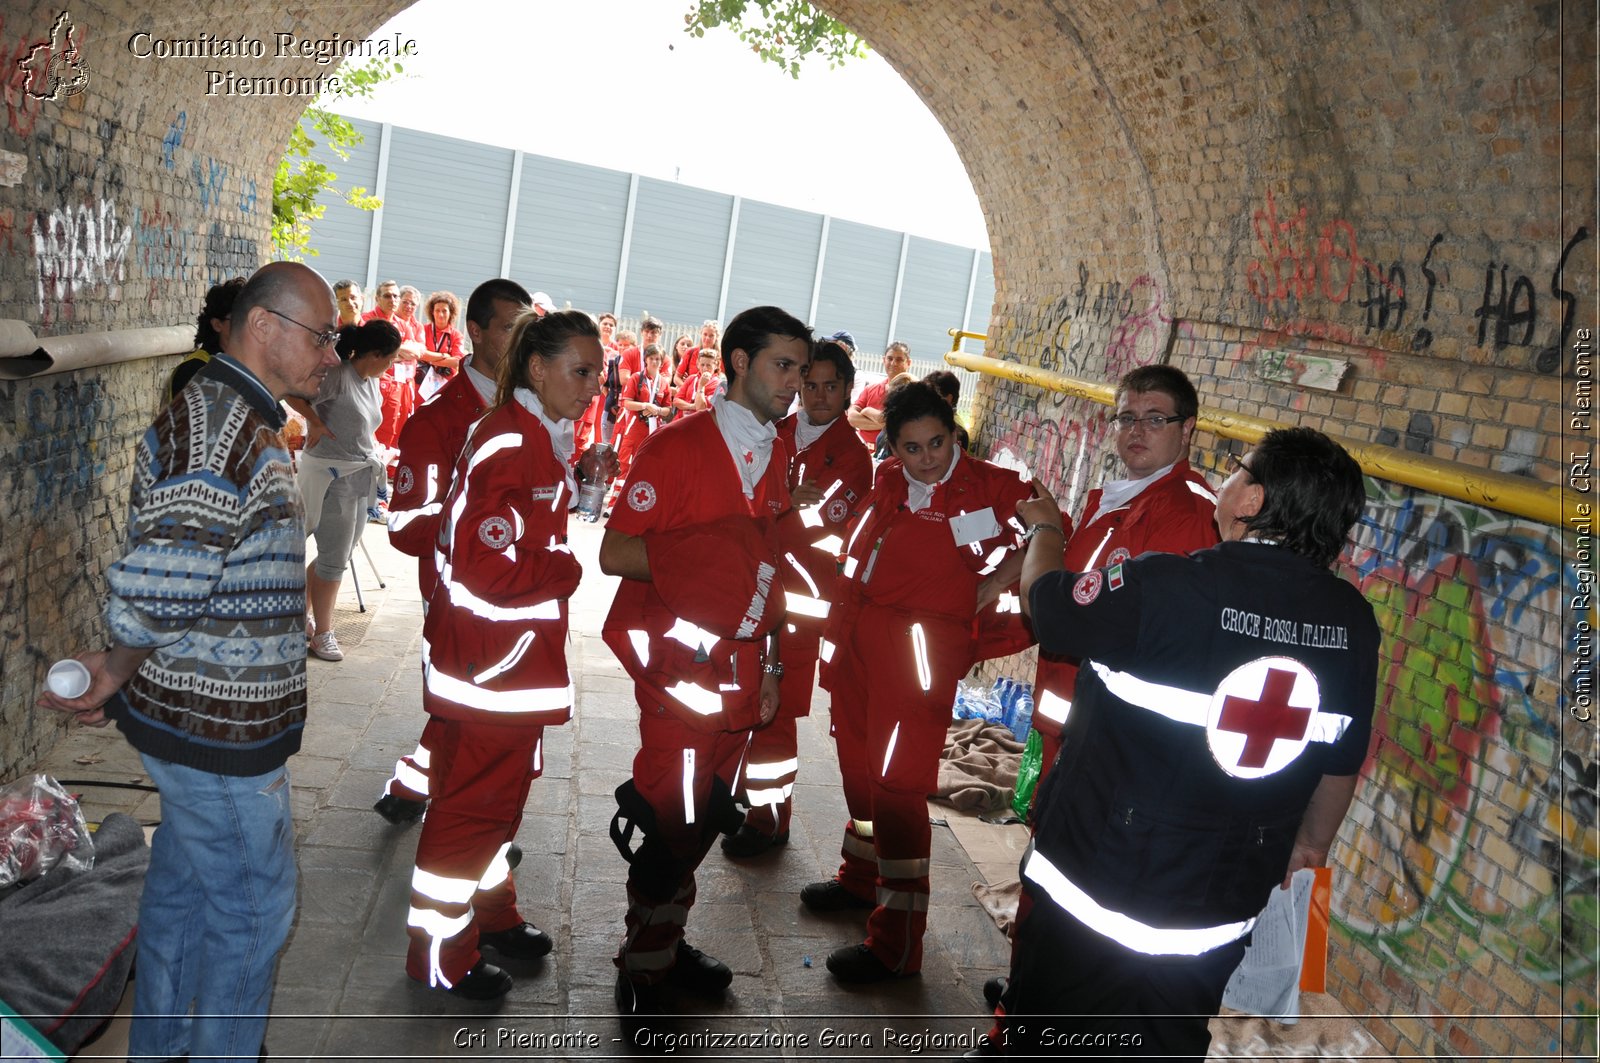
column 1157, row 421
column 324, row 338
column 1235, row 464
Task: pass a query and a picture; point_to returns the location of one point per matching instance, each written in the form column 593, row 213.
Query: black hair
column 480, row 304
column 1313, row 493
column 911, row 402
column 837, row 355
column 945, row 383
column 377, row 337
column 217, row 307
column 648, row 322
column 1165, row 379
column 753, row 329
column 545, row 337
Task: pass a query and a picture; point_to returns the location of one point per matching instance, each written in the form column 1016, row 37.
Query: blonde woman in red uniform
column 932, row 550
column 494, row 653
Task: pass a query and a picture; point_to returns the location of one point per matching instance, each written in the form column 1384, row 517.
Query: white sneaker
column 327, row 647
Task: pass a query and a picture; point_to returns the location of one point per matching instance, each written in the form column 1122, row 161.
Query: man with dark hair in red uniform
column 703, row 676
column 829, row 476
column 430, row 442
column 1163, row 506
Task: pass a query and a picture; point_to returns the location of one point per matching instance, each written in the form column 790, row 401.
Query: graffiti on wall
column 1299, row 258
column 1466, row 830
column 78, row 249
column 62, row 451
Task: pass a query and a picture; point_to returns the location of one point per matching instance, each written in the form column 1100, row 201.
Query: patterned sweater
column 212, row 578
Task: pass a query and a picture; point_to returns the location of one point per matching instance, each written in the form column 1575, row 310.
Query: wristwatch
column 774, row 669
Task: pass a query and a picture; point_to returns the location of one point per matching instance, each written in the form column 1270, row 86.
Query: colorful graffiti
column 1468, row 834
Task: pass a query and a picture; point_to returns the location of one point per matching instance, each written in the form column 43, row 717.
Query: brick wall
column 1227, row 186
column 1230, row 187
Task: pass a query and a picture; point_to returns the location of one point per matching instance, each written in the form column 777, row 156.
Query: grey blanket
column 69, row 937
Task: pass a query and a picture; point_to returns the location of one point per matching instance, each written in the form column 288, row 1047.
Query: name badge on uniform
column 546, row 494
column 974, row 527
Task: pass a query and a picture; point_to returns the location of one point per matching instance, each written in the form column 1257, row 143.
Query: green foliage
column 300, row 179
column 782, row 32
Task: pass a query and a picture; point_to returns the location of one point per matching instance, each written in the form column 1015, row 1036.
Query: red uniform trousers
column 672, row 771
column 410, row 779
column 892, row 690
column 462, row 883
column 774, row 758
column 399, row 396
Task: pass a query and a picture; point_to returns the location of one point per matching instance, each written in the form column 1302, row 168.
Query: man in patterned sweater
column 206, row 672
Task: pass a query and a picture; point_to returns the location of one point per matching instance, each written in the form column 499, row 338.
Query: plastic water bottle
column 592, row 493
column 1022, row 719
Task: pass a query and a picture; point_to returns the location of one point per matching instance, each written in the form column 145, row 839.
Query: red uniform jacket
column 494, row 643
column 813, row 538
column 709, row 683
column 1171, row 516
column 930, row 562
column 430, row 443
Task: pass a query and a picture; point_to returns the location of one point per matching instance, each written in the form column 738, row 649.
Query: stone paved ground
column 342, row 990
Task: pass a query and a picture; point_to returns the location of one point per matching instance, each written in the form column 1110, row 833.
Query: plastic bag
column 41, row 828
column 1028, row 774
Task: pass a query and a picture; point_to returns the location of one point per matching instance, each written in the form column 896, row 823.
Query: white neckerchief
column 560, row 434
column 486, row 387
column 920, row 495
column 749, row 441
column 807, row 433
column 1119, row 493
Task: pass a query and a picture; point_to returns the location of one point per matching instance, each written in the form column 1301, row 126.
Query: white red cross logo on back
column 1266, row 719
column 1261, row 716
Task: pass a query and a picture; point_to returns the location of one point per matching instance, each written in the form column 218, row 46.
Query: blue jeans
column 218, row 902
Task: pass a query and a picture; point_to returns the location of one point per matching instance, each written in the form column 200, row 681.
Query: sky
column 617, row 83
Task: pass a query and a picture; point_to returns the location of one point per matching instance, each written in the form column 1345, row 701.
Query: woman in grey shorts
column 341, row 466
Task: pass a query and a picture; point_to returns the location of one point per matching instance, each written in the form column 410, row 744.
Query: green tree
column 301, row 180
column 779, row 31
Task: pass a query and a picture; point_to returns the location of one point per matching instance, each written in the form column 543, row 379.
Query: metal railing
column 1517, row 495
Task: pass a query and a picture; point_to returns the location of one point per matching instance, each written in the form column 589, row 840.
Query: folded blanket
column 69, row 937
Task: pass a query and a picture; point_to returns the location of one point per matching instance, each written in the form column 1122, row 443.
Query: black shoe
column 751, row 842
column 856, row 963
column 522, row 942
column 994, row 989
column 484, row 981
column 398, row 810
column 699, row 973
column 513, row 855
column 831, row 896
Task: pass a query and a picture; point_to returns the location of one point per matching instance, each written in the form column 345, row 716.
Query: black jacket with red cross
column 494, row 645
column 1216, row 691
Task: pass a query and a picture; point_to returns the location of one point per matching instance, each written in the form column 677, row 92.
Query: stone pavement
column 342, row 988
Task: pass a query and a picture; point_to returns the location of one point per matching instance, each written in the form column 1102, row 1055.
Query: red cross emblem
column 1260, row 716
column 495, row 533
column 749, row 457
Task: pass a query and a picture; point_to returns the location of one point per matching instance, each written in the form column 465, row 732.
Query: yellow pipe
column 1517, row 495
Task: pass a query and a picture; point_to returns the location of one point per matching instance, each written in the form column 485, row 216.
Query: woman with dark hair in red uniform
column 494, row 653
column 933, row 551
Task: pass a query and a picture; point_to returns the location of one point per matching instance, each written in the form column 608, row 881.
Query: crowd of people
column 1196, row 762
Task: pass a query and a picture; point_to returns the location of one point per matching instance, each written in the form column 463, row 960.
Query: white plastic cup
column 68, row 679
